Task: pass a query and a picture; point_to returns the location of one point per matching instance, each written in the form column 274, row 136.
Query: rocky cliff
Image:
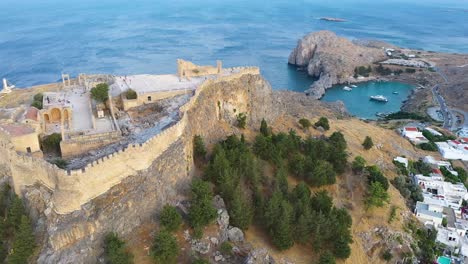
column 331, row 59
column 77, row 237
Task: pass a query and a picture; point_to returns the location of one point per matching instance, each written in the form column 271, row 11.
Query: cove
column 358, row 103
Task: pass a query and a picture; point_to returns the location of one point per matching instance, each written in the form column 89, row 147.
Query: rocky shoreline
column 335, row 60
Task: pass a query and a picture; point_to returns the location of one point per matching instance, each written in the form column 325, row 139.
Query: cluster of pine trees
column 18, row 241
column 289, row 215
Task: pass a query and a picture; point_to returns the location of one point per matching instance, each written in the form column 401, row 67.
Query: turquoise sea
column 41, row 38
column 358, row 100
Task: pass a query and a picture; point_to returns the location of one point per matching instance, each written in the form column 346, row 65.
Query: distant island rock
column 333, row 19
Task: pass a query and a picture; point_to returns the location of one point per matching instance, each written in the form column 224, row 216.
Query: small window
column 149, row 98
column 28, row 150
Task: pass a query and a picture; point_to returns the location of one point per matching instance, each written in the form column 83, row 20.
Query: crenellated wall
column 72, row 189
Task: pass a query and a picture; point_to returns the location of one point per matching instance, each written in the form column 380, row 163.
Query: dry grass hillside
column 350, row 189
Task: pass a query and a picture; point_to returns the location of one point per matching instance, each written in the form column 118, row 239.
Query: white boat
column 354, row 86
column 346, row 88
column 379, row 98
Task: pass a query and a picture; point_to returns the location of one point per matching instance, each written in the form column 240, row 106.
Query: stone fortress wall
column 71, row 189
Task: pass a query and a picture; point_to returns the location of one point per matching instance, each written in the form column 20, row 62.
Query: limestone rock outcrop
column 331, row 59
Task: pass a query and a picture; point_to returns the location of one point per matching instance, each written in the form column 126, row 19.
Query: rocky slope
column 331, row 59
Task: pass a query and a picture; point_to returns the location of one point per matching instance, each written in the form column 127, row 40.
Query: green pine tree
column 165, row 248
column 23, row 245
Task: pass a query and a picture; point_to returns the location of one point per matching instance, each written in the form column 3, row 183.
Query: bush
column 226, row 248
column 367, row 144
column 200, row 261
column 165, row 248
column 199, row 149
column 431, row 146
column 100, row 93
column 61, row 163
column 377, row 195
column 197, row 233
column 37, row 100
column 37, row 104
column 327, row 258
column 406, row 115
column 444, row 222
column 170, row 219
column 323, row 122
column 52, row 142
column 23, row 245
column 241, row 120
column 358, row 164
column 115, row 250
column 201, row 211
column 305, row 123
column 409, row 70
column 387, row 255
column 131, row 94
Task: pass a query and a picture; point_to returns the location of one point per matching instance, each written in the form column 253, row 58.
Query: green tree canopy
column 367, row 144
column 115, row 250
column 377, row 196
column 305, row 123
column 165, row 248
column 201, row 211
column 170, row 219
column 322, row 122
column 100, row 93
column 23, row 245
column 358, row 164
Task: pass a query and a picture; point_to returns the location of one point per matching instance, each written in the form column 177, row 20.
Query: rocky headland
column 331, row 59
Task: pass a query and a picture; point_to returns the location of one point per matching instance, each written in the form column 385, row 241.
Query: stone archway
column 46, row 118
column 55, row 115
column 66, row 116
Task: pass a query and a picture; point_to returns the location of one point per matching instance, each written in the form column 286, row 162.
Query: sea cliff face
column 331, row 59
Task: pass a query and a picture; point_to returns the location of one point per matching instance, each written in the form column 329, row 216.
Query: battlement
column 73, row 188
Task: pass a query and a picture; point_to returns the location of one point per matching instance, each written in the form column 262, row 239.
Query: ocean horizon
column 41, row 39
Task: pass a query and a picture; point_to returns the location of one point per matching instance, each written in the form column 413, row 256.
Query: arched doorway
column 55, row 115
column 46, row 118
column 66, row 117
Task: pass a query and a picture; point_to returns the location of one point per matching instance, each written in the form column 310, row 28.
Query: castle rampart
column 72, row 189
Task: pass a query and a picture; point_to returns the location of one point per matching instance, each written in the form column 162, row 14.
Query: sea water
column 358, row 101
column 40, row 39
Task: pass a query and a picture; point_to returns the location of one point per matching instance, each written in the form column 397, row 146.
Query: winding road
column 446, row 111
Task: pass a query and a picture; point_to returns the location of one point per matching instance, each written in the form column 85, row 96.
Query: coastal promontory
column 331, row 59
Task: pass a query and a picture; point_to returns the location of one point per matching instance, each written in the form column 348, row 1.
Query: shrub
column 358, row 164
column 37, row 104
column 37, row 100
column 23, row 245
column 200, row 261
column 387, row 255
column 115, row 250
column 323, row 122
column 241, row 120
column 131, row 94
column 100, row 93
column 305, row 123
column 431, row 146
column 327, row 258
column 38, row 97
column 197, row 233
column 201, row 211
column 444, row 222
column 61, row 163
column 170, row 219
column 393, row 211
column 226, row 248
column 367, row 144
column 199, row 149
column 264, row 129
column 52, row 142
column 377, row 195
column 409, row 70
column 165, row 248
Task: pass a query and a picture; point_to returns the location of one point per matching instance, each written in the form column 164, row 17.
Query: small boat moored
column 346, row 88
column 353, row 86
column 379, row 98
column 395, row 92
